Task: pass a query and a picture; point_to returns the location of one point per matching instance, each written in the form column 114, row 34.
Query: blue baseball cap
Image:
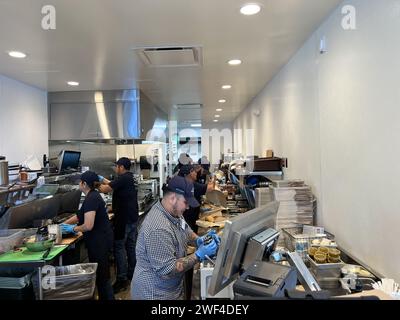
column 183, row 187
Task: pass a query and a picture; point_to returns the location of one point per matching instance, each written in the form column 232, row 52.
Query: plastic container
column 323, row 250
column 10, row 238
column 334, row 253
column 75, row 282
column 333, row 260
column 312, row 251
column 320, row 257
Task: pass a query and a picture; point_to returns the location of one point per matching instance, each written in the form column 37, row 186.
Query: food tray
column 325, row 270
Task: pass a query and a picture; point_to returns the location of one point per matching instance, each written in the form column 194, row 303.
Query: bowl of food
column 32, row 244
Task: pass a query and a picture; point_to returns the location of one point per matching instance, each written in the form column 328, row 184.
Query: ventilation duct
column 171, row 56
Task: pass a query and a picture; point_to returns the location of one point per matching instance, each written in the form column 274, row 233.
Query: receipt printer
column 265, row 279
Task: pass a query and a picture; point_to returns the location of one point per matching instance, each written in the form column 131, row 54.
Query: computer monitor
column 69, row 160
column 236, row 234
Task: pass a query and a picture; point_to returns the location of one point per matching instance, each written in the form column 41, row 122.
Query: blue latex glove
column 206, row 250
column 101, row 178
column 213, row 234
column 67, row 228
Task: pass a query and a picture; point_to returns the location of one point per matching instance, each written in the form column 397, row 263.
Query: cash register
column 247, row 242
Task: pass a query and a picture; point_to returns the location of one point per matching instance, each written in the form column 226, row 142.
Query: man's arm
column 184, row 264
column 162, row 255
column 105, row 188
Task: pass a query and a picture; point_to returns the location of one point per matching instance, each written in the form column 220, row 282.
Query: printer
column 265, row 279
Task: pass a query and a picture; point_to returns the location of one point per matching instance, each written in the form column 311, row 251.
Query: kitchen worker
column 192, row 214
column 191, row 172
column 161, row 249
column 92, row 220
column 205, row 169
column 184, row 159
column 126, row 213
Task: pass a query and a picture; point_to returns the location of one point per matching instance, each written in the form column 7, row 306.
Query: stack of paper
column 297, row 203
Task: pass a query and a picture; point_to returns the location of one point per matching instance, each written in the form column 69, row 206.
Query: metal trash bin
column 74, row 282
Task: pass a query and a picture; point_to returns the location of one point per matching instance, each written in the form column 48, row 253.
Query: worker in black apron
column 92, row 220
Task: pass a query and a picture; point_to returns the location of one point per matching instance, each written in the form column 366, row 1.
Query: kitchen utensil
column 46, row 253
column 40, row 245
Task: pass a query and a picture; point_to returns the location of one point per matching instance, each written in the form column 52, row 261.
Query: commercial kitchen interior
column 317, row 83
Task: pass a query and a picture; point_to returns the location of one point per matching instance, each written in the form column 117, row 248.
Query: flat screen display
column 69, row 160
column 236, row 233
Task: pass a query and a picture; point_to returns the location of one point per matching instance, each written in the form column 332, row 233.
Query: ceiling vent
column 171, row 56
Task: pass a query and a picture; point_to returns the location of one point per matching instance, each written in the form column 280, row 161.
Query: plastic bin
column 75, row 282
column 295, row 240
column 16, row 288
column 9, row 238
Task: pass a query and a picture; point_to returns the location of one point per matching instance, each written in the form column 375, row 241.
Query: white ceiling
column 94, row 40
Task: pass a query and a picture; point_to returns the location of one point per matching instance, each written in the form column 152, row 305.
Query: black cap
column 183, row 187
column 125, row 162
column 90, row 178
column 185, row 170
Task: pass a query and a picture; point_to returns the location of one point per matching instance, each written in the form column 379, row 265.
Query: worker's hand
column 213, row 234
column 206, row 250
column 216, row 237
column 101, row 178
column 67, row 228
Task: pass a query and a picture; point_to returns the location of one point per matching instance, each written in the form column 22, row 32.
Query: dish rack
column 295, row 240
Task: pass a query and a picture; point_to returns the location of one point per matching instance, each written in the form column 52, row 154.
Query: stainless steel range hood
column 101, row 115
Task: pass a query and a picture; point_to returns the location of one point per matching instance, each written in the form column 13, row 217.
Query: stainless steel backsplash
column 99, row 157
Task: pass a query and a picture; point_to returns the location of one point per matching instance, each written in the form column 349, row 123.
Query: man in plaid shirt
column 162, row 244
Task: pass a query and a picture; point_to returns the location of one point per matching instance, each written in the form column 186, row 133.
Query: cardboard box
column 269, row 153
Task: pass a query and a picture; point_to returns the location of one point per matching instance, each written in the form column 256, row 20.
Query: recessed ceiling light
column 226, row 87
column 196, row 125
column 250, row 9
column 17, row 54
column 215, row 120
column 73, row 83
column 218, row 110
column 222, row 101
column 235, row 62
column 217, row 116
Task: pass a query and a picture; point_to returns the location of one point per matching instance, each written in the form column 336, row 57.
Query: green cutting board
column 24, row 255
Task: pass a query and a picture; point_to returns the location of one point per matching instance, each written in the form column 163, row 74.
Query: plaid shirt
column 161, row 241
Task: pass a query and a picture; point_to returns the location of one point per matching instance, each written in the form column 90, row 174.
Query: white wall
column 337, row 118
column 23, row 121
